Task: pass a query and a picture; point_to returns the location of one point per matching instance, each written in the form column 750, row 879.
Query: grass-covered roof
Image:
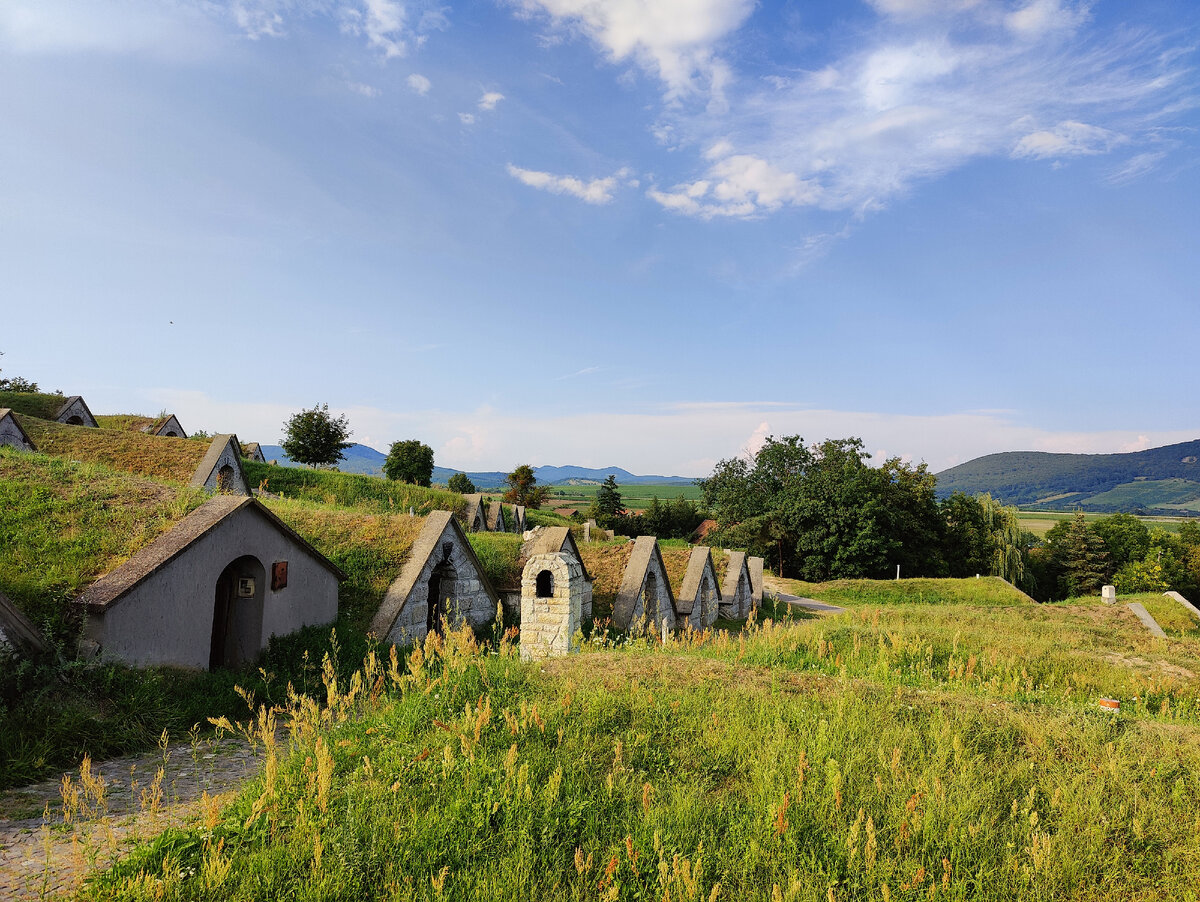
column 157, row 456
column 65, row 524
column 131, row 422
column 33, row 404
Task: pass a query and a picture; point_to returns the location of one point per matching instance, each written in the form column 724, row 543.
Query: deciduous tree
column 315, row 437
column 523, row 488
column 461, row 482
column 409, row 461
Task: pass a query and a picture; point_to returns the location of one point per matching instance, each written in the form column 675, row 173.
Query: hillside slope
column 1164, row 479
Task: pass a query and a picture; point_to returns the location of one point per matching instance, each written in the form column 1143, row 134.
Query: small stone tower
column 551, row 606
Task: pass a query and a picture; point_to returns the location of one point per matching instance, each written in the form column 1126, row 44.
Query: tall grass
column 685, row 772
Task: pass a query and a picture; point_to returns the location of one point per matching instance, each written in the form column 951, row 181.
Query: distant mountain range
column 364, row 459
column 1162, row 480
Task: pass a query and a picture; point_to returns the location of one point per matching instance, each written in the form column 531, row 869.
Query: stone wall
column 468, row 597
column 737, row 598
column 551, row 613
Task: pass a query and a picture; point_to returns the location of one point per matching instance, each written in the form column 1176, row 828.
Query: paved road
column 809, row 604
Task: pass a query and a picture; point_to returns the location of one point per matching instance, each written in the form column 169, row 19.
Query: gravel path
column 48, row 847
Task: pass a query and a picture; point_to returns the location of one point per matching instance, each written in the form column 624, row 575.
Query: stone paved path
column 43, row 857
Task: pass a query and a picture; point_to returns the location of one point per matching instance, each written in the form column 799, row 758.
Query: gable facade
column 221, row 469
column 699, row 596
column 756, row 580
column 212, row 591
column 495, row 517
column 16, row 632
column 170, row 427
column 736, row 594
column 441, row 580
column 11, row 433
column 645, row 601
column 474, row 517
column 75, row 412
column 517, row 518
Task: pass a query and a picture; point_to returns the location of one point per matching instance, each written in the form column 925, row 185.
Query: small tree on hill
column 461, row 482
column 523, row 488
column 315, row 438
column 409, row 461
column 608, row 502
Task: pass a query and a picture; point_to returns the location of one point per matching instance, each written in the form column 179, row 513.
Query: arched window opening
column 75, row 420
column 225, row 479
column 545, row 584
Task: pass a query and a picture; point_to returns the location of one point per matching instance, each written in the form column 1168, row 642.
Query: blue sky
column 643, row 233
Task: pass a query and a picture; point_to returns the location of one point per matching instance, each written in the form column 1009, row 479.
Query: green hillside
column 1165, row 479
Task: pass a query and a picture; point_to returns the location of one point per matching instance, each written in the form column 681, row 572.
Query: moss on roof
column 65, row 524
column 33, row 404
column 156, row 456
column 675, row 559
column 130, row 422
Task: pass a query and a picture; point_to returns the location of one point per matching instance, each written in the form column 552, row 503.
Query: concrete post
column 1108, row 594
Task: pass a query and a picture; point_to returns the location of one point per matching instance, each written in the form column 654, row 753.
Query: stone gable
column 645, row 601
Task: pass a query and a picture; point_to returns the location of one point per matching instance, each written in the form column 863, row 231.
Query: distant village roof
column 253, row 450
column 705, row 527
column 110, row 588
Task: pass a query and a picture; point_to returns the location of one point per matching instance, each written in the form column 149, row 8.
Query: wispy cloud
column 595, row 191
column 933, row 86
column 466, row 118
column 419, row 84
column 583, row 372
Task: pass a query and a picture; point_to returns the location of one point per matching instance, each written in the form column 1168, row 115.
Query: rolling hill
column 364, row 459
column 1159, row 480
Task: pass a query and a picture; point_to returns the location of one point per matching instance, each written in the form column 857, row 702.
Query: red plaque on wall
column 278, row 575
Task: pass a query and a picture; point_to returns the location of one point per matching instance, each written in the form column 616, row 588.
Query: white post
column 897, row 571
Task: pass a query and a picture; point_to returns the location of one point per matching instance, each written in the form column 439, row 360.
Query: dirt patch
column 1134, row 662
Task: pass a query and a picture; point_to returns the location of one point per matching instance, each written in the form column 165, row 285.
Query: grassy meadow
column 898, row 751
column 988, row 590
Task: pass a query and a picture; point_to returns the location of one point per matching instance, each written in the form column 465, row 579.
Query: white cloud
column 466, row 118
column 595, row 191
column 382, row 22
column 674, row 39
column 1067, row 139
column 365, row 90
column 489, row 100
column 739, row 185
column 671, row 439
column 419, row 83
column 1038, row 17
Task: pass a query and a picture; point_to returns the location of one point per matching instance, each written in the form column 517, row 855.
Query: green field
column 1041, row 522
column 635, row 497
